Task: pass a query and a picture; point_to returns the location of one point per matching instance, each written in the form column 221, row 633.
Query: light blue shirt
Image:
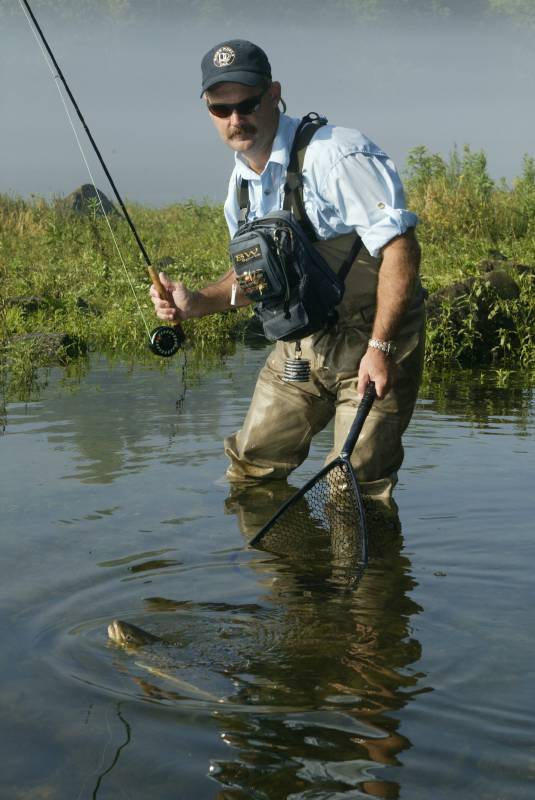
column 348, row 184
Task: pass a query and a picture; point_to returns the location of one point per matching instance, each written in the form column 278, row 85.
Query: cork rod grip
column 156, row 282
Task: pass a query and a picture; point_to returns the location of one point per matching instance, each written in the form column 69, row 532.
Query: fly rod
column 165, row 340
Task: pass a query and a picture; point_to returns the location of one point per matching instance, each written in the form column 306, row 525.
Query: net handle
column 362, row 412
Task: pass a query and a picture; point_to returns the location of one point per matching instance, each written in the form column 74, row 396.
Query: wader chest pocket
column 258, row 269
column 278, row 268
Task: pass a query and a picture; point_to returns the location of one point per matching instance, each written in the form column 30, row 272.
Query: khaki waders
column 283, row 417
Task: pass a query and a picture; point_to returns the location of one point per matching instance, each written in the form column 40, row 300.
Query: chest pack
column 276, row 264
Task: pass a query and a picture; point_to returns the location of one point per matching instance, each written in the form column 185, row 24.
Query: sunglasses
column 246, row 107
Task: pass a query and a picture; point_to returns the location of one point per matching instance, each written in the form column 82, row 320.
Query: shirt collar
column 280, row 150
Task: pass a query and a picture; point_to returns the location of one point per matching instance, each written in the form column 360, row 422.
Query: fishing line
column 165, row 340
column 81, row 149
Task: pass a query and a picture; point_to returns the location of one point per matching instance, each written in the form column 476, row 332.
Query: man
column 349, row 185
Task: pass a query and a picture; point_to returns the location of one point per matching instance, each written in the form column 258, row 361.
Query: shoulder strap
column 293, row 195
column 243, row 201
column 293, row 188
column 351, row 256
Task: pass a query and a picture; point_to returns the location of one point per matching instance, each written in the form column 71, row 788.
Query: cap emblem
column 224, row 57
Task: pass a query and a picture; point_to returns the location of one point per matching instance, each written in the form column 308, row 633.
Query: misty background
column 405, row 73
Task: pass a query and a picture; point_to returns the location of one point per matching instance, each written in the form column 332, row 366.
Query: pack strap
column 245, row 203
column 293, row 188
column 350, row 258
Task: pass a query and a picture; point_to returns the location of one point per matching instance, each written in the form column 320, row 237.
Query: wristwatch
column 389, row 348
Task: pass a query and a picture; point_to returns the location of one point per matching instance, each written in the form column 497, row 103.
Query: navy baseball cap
column 237, row 61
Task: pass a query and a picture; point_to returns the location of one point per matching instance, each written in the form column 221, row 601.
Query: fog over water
column 435, row 83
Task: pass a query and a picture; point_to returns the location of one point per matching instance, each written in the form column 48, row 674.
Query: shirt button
column 267, row 191
column 380, row 205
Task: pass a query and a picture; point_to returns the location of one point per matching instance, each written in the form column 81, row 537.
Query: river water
column 277, row 679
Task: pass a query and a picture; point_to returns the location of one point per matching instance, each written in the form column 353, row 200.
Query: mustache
column 239, row 130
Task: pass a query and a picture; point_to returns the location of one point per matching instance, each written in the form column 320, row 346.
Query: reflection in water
column 319, row 668
column 343, row 651
column 314, row 676
column 476, row 396
column 145, row 405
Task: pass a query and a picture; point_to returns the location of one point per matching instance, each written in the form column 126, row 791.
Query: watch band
column 389, row 348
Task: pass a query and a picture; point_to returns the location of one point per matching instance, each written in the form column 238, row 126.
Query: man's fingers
column 166, row 282
column 380, row 387
column 363, row 381
column 174, row 305
column 163, row 306
column 375, row 366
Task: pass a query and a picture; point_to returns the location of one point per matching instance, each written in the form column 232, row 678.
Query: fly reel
column 165, row 340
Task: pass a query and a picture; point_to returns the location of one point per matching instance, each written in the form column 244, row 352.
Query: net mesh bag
column 328, row 511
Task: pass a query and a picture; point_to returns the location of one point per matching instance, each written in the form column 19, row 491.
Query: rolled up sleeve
column 365, row 193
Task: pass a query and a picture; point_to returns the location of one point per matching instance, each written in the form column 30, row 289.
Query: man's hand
column 378, row 367
column 179, row 303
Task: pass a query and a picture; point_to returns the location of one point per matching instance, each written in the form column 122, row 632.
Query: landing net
column 328, row 509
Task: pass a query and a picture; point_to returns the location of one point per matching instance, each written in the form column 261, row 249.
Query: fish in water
column 127, row 635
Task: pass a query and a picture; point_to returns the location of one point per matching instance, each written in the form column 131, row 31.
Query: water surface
column 279, row 678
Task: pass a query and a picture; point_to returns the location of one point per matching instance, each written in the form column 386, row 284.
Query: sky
column 409, row 83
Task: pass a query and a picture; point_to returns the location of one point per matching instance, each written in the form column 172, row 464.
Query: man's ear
column 275, row 93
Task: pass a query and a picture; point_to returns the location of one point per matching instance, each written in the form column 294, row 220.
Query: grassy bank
column 69, row 265
column 465, row 215
column 61, row 272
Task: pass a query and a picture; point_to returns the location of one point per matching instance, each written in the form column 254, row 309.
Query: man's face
column 250, row 134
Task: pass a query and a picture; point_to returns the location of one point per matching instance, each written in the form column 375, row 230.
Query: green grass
column 464, row 215
column 466, row 218
column 71, row 264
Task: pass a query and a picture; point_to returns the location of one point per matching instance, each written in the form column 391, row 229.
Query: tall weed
column 68, row 262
